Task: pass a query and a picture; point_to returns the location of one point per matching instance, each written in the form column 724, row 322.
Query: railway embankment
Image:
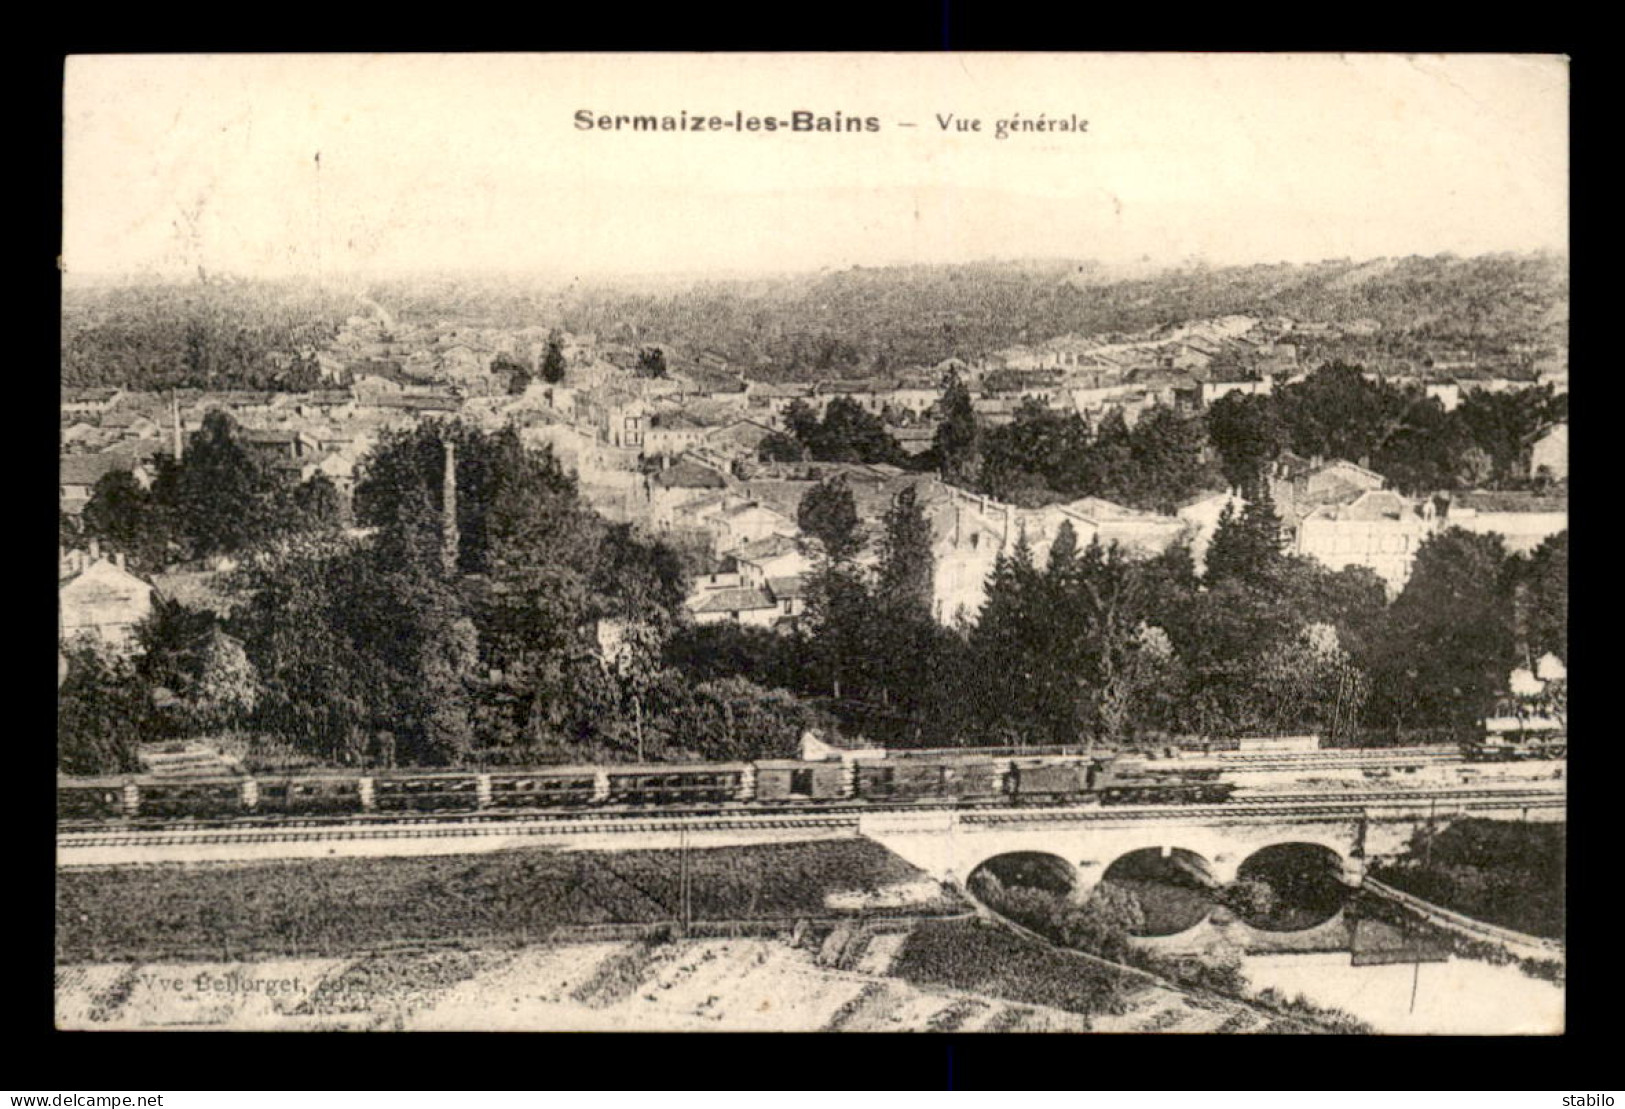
column 1505, row 877
column 339, row 906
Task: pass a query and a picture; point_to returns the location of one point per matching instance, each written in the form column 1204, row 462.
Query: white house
column 1523, row 520
column 100, row 600
column 1379, row 529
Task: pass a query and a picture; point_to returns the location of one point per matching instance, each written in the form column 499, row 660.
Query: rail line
column 853, row 807
column 335, row 835
column 737, row 810
column 1347, row 756
column 1333, row 806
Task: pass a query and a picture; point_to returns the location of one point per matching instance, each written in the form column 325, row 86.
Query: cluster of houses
column 1257, row 346
column 299, row 434
column 1191, row 365
column 1341, row 514
column 679, row 456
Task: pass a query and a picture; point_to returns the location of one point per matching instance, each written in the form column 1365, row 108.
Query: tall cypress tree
column 1008, row 651
column 553, row 361
column 958, row 440
column 829, row 514
column 904, row 631
column 1246, row 546
column 1110, row 471
column 906, row 563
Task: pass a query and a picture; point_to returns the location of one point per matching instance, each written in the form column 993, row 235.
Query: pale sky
column 474, row 162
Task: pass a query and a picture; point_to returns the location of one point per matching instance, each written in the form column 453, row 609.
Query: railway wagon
column 961, row 778
column 1050, row 780
column 1132, row 782
column 100, row 799
column 791, row 780
column 426, row 792
column 1277, row 744
column 311, row 795
column 1517, row 748
column 198, row 798
column 547, row 788
column 702, row 783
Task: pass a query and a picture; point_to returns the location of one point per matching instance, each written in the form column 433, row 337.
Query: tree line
column 527, row 631
column 220, row 497
column 1046, row 456
column 869, row 319
column 215, row 334
column 1397, row 430
column 1100, row 646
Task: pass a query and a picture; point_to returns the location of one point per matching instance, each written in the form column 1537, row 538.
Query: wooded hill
column 866, row 319
column 1502, row 311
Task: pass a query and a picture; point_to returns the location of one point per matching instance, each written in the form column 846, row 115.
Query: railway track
column 1327, row 805
column 736, row 810
column 337, row 835
column 1325, row 760
column 1285, row 763
column 1324, row 808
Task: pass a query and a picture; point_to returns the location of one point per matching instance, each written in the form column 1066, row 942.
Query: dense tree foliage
column 905, row 575
column 553, row 365
column 1045, row 456
column 829, row 514
column 779, row 447
column 847, row 433
column 1544, row 578
column 1246, row 546
column 102, row 713
column 221, row 497
column 1449, row 639
column 1506, row 872
column 215, row 334
column 957, row 441
column 812, row 327
column 651, row 362
column 1248, row 433
column 1397, row 430
column 124, row 517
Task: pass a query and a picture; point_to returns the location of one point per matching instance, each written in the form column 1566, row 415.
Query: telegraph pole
column 683, row 912
column 1416, row 977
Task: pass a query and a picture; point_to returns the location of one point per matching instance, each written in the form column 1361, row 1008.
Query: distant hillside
column 1500, row 312
column 1498, row 307
column 220, row 334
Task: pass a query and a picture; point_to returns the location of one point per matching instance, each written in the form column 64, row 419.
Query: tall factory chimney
column 1520, row 624
column 448, row 510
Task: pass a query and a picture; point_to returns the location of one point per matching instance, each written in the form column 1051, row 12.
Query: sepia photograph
column 890, row 542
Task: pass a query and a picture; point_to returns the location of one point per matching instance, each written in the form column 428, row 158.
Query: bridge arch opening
column 1289, row 887
column 1173, row 888
column 1036, row 871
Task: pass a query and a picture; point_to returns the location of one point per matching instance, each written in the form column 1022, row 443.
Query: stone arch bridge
column 951, row 844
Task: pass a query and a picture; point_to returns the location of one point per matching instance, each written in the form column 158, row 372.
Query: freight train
column 926, row 779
